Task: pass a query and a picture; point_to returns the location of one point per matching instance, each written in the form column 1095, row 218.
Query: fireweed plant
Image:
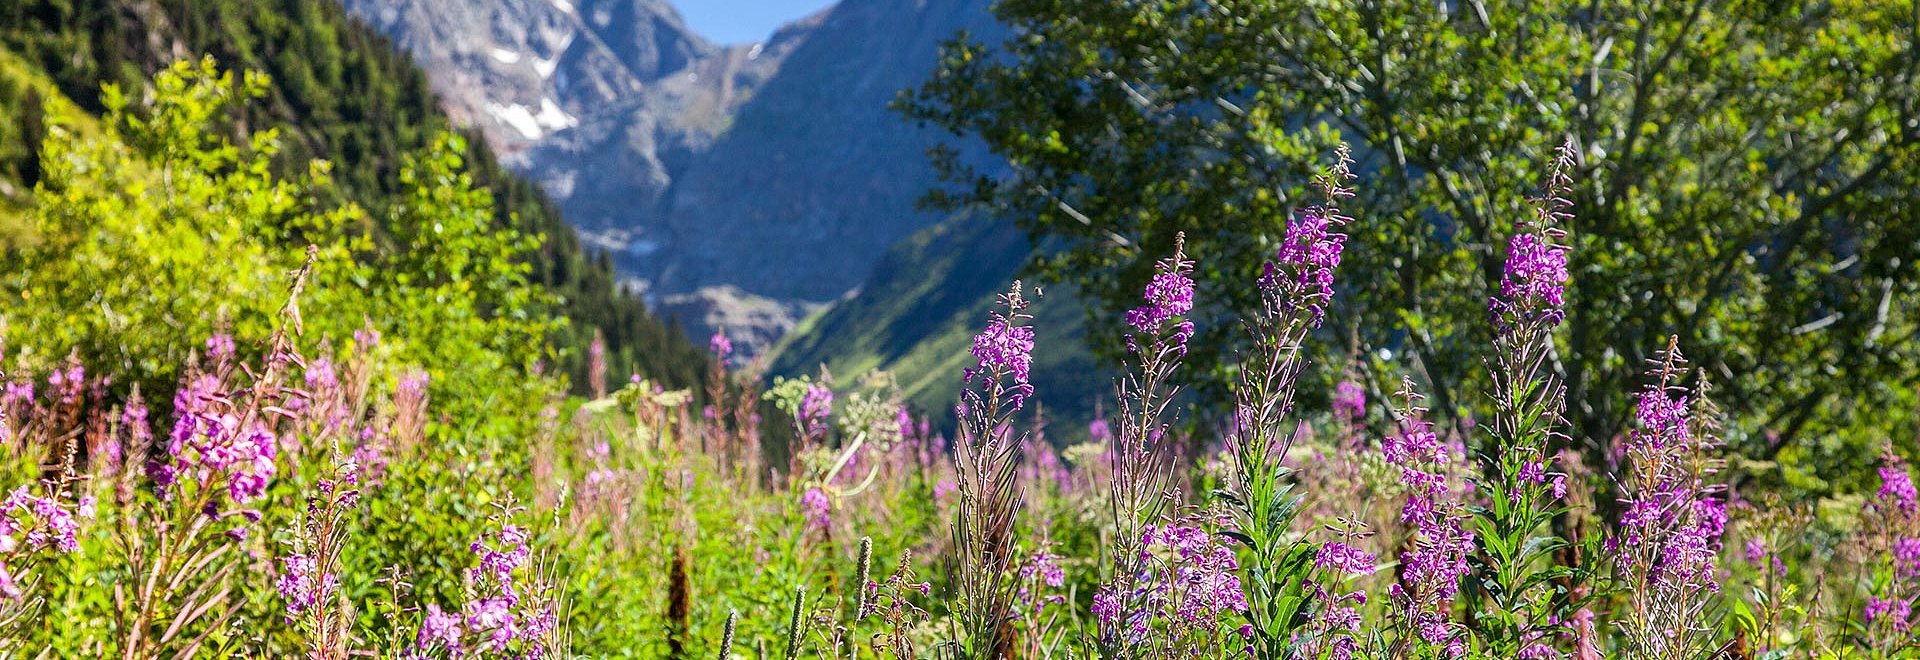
column 1140, row 468
column 1674, row 514
column 1287, row 588
column 1420, row 602
column 986, row 459
column 1515, row 593
column 1892, row 543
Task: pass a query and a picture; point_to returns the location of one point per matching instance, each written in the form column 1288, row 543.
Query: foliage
column 1744, row 172
column 335, row 90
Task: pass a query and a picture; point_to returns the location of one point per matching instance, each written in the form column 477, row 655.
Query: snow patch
column 545, row 67
column 563, row 5
column 518, row 117
column 505, row 56
column 754, row 53
column 529, row 124
column 552, row 117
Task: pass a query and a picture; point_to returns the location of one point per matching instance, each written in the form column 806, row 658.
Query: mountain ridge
column 739, row 187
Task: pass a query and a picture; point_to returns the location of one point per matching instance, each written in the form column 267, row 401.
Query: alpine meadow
column 960, row 329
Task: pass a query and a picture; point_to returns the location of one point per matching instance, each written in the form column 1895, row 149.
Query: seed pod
column 861, row 576
column 726, row 636
column 793, row 627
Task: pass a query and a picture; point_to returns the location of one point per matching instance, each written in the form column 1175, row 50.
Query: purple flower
column 817, row 508
column 498, row 560
column 320, row 375
column 210, row 447
column 1671, row 527
column 1045, row 566
column 1896, row 610
column 720, row 345
column 815, row 406
column 366, row 338
column 1169, row 295
column 1099, row 431
column 1301, row 272
column 220, row 347
column 1896, row 488
column 1349, row 400
column 17, row 395
column 1042, row 568
column 1433, row 567
column 1533, row 284
column 413, row 386
column 9, row 590
column 1106, row 608
column 39, row 522
column 1536, row 273
column 303, row 585
column 1189, row 582
column 1906, row 557
column 65, row 384
column 1343, row 558
column 1005, row 348
column 1533, row 472
column 440, row 628
column 1538, row 651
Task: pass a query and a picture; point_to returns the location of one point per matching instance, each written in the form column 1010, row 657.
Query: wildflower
column 1005, row 347
column 303, row 585
column 1169, row 295
column 1099, row 431
column 1302, row 269
column 1670, row 532
column 320, row 375
column 9, row 589
column 440, row 628
column 30, row 523
column 1041, row 569
column 720, row 345
column 1895, row 610
column 366, row 338
column 65, row 384
column 1896, row 488
column 1533, row 282
column 817, row 508
column 1433, row 567
column 499, row 560
column 1538, row 651
column 17, row 393
column 38, row 522
column 220, row 347
column 815, row 407
column 1349, row 400
column 1188, row 581
column 1341, row 557
column 1906, row 557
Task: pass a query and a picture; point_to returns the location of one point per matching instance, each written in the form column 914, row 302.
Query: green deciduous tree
column 1745, row 179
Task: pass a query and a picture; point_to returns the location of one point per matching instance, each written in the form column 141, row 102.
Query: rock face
column 768, row 177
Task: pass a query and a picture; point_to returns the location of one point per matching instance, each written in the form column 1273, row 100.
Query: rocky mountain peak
column 739, row 185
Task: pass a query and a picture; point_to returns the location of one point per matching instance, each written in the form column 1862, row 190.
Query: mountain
column 521, row 70
column 741, row 187
column 340, row 91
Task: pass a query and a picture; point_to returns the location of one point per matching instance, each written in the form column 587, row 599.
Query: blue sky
column 743, row 21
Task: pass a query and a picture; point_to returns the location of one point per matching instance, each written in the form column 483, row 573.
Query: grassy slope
column 917, row 312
